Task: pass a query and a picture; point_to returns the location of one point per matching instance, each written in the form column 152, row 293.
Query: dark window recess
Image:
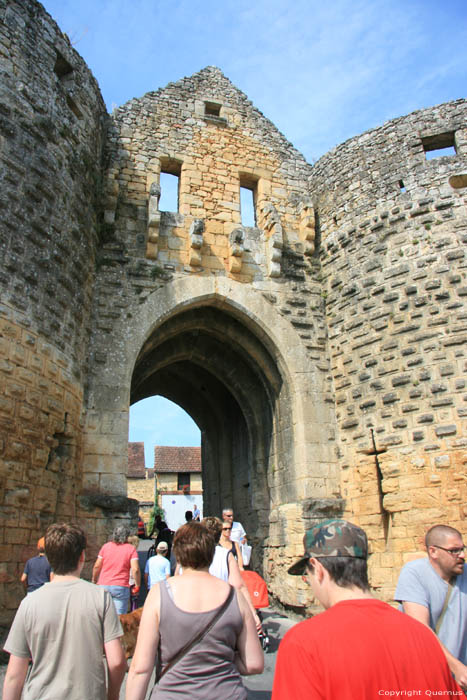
column 402, row 186
column 212, row 109
column 439, row 145
column 62, row 68
column 183, row 480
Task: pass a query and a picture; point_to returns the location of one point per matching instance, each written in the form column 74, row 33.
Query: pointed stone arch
column 223, row 352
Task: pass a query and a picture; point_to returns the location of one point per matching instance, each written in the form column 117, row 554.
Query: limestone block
column 426, row 498
column 397, row 501
column 195, row 242
column 307, row 227
column 236, row 249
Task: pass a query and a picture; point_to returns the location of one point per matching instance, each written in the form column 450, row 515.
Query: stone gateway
column 321, row 351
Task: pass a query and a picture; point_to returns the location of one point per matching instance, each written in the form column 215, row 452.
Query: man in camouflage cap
column 332, row 538
column 359, row 647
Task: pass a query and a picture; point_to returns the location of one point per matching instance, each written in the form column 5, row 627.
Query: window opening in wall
column 247, row 206
column 62, row 68
column 183, row 481
column 212, row 109
column 402, row 186
column 439, row 145
column 169, row 184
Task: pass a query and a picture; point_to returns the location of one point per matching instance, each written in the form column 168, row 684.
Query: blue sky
column 321, row 71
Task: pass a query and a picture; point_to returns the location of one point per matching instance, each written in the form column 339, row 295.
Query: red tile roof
column 136, row 464
column 177, row 459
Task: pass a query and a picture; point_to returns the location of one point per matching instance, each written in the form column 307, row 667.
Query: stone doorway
column 213, row 365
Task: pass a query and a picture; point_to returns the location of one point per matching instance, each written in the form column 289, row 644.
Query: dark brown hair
column 345, row 571
column 194, row 546
column 214, row 525
column 64, row 543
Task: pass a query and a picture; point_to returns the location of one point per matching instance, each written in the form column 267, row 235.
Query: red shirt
column 116, row 564
column 361, row 650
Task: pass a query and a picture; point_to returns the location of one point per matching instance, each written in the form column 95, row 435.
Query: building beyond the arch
column 321, row 352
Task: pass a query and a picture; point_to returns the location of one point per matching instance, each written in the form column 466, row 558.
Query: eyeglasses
column 226, row 529
column 228, row 515
column 455, row 550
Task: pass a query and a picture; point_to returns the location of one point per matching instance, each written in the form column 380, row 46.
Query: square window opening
column 439, row 145
column 212, row 109
column 183, row 480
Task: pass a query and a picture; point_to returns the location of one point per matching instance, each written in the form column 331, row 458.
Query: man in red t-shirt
column 359, row 647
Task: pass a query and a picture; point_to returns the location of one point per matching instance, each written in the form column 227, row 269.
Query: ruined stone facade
column 321, row 352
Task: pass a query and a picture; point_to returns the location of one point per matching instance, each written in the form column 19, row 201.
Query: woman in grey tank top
column 178, row 611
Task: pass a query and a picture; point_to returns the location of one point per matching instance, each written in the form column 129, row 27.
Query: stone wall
column 141, row 489
column 168, row 483
column 51, row 136
column 226, row 320
column 321, row 352
column 393, row 228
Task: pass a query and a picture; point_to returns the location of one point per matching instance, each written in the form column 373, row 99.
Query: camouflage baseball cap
column 332, row 538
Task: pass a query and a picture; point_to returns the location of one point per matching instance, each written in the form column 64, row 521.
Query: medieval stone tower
column 321, row 351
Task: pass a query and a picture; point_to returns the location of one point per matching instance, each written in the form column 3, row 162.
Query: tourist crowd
column 201, row 632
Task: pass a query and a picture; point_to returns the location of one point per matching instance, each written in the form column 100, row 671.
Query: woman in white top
column 224, row 565
column 226, row 542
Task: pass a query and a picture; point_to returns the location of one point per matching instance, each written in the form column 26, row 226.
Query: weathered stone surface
column 321, row 351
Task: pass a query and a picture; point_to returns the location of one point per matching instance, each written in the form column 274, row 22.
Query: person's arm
column 24, row 580
column 239, row 556
column 96, row 570
column 422, row 614
column 249, row 658
column 235, row 580
column 135, row 570
column 117, row 666
column 15, row 676
column 142, row 664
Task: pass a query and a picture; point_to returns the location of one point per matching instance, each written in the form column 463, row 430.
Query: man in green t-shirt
column 66, row 627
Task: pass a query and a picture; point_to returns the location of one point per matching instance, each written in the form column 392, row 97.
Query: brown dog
column 130, row 623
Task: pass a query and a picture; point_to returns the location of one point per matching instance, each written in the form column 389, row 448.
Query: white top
column 238, row 533
column 219, row 567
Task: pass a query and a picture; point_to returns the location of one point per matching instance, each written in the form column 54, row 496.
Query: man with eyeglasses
column 238, row 533
column 359, row 648
column 433, row 590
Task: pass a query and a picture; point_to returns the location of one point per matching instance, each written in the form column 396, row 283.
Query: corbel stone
column 236, row 249
column 154, row 221
column 307, row 227
column 273, row 229
column 196, row 242
column 111, row 196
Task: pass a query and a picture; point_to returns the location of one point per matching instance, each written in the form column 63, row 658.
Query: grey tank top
column 207, row 671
